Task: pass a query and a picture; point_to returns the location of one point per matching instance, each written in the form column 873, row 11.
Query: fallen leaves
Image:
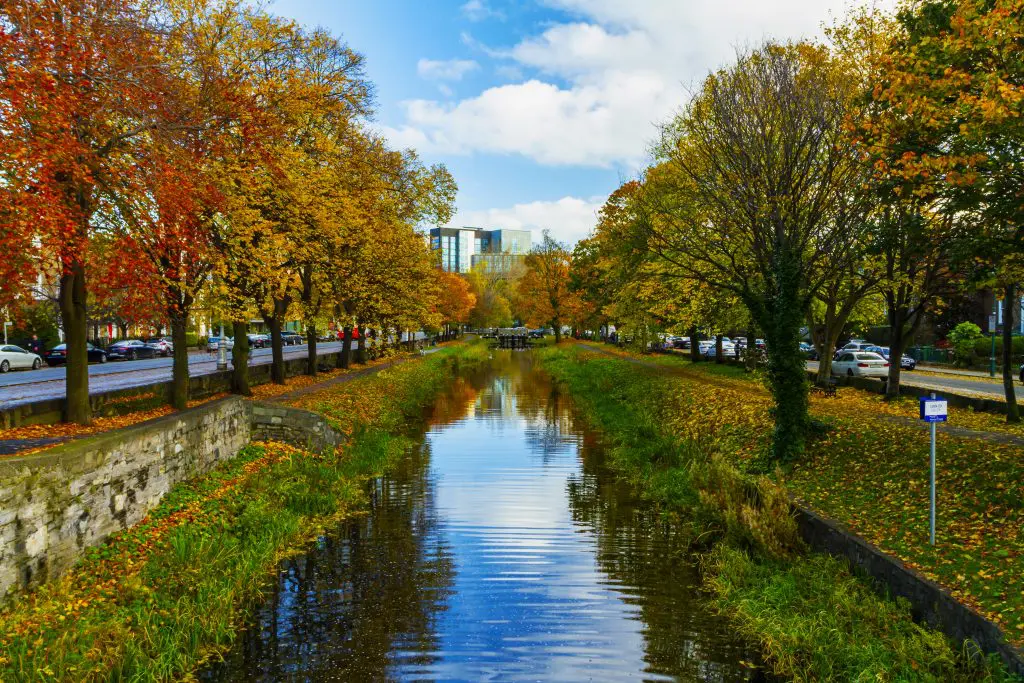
column 868, row 468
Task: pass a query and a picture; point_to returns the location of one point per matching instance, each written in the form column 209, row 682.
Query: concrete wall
column 55, row 504
column 149, row 395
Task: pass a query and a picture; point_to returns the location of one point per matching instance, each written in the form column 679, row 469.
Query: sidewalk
column 944, row 370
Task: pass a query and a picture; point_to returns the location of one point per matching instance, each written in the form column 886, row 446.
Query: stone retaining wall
column 297, row 427
column 930, row 603
column 55, row 504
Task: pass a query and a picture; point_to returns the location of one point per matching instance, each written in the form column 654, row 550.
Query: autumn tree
column 543, row 291
column 950, row 130
column 746, row 199
column 454, row 302
column 81, row 96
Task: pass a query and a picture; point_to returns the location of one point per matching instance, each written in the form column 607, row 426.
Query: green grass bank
column 693, row 448
column 162, row 597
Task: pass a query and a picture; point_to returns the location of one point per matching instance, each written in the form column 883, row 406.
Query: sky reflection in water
column 501, row 550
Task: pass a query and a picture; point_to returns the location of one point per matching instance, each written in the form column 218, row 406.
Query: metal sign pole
column 933, row 409
column 932, row 525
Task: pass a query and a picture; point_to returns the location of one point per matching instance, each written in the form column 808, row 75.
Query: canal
column 501, row 549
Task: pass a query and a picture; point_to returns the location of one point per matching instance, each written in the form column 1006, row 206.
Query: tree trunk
column 787, row 372
column 311, row 350
column 1010, row 304
column 240, row 360
column 277, row 349
column 122, row 329
column 558, row 330
column 346, row 347
column 719, row 355
column 179, row 375
column 896, row 343
column 360, row 357
column 750, row 357
column 72, row 301
column 694, row 346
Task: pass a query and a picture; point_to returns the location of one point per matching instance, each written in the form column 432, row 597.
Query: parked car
column 130, row 349
column 537, row 334
column 255, row 341
column 707, row 348
column 681, row 343
column 58, row 355
column 855, row 345
column 16, row 358
column 906, row 362
column 164, row 345
column 213, row 343
column 861, row 364
column 809, row 351
column 290, row 338
column 1022, row 373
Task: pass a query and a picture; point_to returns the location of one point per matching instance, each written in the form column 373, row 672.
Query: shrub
column 983, row 346
column 963, row 338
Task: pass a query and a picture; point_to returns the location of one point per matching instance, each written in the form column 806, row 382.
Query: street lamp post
column 222, row 350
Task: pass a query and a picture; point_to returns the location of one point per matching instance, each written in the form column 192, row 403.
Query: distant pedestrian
column 35, row 345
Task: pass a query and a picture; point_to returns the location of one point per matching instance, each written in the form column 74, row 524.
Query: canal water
column 502, row 549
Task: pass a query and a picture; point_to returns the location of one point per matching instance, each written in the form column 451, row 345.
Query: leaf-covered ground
column 869, row 469
column 155, row 600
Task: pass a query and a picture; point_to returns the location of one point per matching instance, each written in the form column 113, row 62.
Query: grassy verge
column 156, row 600
column 690, row 441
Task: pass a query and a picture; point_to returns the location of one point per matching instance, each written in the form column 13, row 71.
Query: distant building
column 464, row 248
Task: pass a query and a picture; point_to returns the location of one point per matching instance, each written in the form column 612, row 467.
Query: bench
column 829, row 390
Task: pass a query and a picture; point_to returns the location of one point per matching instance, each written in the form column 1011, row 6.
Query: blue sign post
column 933, row 409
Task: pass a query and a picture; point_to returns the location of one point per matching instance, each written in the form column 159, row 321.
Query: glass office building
column 463, row 248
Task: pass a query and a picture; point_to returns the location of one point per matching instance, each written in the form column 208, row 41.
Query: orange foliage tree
column 544, row 293
column 455, row 301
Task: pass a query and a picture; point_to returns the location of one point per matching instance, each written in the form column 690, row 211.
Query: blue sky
column 540, row 108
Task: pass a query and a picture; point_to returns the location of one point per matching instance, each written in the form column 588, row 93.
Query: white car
column 860, row 364
column 16, row 358
column 707, row 348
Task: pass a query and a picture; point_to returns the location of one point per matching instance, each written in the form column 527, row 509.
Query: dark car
column 255, row 341
column 537, row 334
column 131, row 349
column 58, row 355
column 808, row 350
column 291, row 338
column 1022, row 373
column 906, row 362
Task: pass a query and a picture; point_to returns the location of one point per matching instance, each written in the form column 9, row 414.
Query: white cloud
column 478, row 10
column 445, row 70
column 569, row 219
column 624, row 66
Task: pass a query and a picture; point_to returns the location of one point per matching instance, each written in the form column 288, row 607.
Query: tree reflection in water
column 508, row 552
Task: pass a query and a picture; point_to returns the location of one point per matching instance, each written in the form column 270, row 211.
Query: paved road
column 39, row 385
column 950, row 383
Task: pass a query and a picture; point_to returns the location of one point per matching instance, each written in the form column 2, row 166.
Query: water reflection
column 501, row 550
